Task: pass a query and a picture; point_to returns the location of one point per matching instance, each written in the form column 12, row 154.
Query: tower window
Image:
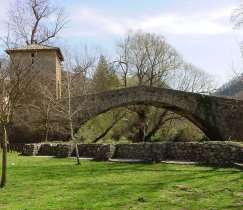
column 32, row 57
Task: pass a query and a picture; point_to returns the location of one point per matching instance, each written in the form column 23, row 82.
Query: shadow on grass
column 119, row 184
column 99, row 169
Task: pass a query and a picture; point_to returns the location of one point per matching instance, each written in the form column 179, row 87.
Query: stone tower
column 45, row 59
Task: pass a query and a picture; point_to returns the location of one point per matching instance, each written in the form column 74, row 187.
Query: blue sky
column 199, row 29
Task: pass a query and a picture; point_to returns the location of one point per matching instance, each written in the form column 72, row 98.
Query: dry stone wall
column 31, row 149
column 87, row 150
column 64, row 150
column 147, row 151
column 219, row 153
column 105, row 152
column 48, row 150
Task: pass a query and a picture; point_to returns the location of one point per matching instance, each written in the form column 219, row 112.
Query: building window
column 32, row 57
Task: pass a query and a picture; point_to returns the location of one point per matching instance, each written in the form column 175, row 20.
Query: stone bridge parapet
column 218, row 118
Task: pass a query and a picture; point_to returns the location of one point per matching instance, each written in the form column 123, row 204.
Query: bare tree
column 189, row 78
column 234, row 87
column 75, row 82
column 237, row 21
column 76, row 71
column 30, row 21
column 15, row 80
column 33, row 21
column 64, row 108
column 80, row 61
column 41, row 115
column 122, row 61
column 70, row 112
column 237, row 15
column 145, row 59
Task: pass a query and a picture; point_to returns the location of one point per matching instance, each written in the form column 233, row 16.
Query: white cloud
column 97, row 23
column 183, row 25
column 92, row 20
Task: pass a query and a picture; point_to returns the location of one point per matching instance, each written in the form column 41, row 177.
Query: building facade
column 46, row 61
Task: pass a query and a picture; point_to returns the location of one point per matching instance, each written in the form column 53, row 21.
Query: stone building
column 43, row 58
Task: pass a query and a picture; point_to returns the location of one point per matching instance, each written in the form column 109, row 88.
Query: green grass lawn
column 51, row 183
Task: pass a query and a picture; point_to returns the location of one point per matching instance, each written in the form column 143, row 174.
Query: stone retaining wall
column 105, row 152
column 220, row 153
column 31, row 149
column 87, row 150
column 64, row 150
column 153, row 152
column 48, row 150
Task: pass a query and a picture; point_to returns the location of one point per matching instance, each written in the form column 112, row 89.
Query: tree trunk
column 4, row 155
column 109, row 128
column 142, row 124
column 75, row 142
column 141, row 134
column 77, row 153
column 103, row 134
column 157, row 126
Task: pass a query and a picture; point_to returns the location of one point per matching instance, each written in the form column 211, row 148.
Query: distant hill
column 232, row 89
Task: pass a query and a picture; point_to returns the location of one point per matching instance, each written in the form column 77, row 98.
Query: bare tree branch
column 33, row 21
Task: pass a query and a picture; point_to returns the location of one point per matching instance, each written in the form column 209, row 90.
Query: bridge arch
column 218, row 118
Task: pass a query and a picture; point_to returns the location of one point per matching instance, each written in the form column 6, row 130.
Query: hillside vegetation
column 232, row 89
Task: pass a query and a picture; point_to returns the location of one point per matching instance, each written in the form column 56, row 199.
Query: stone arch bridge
column 218, row 118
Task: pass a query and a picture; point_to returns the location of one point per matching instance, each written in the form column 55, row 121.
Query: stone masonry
column 218, row 118
column 218, row 153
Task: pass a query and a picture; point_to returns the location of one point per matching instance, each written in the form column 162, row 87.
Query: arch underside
column 208, row 130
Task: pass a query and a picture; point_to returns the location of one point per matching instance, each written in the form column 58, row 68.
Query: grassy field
column 51, row 183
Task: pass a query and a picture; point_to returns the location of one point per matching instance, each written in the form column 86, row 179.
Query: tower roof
column 36, row 47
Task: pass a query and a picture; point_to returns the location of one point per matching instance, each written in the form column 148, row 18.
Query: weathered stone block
column 48, row 149
column 64, row 150
column 105, row 152
column 30, row 149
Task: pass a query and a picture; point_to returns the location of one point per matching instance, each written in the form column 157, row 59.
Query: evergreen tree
column 104, row 78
